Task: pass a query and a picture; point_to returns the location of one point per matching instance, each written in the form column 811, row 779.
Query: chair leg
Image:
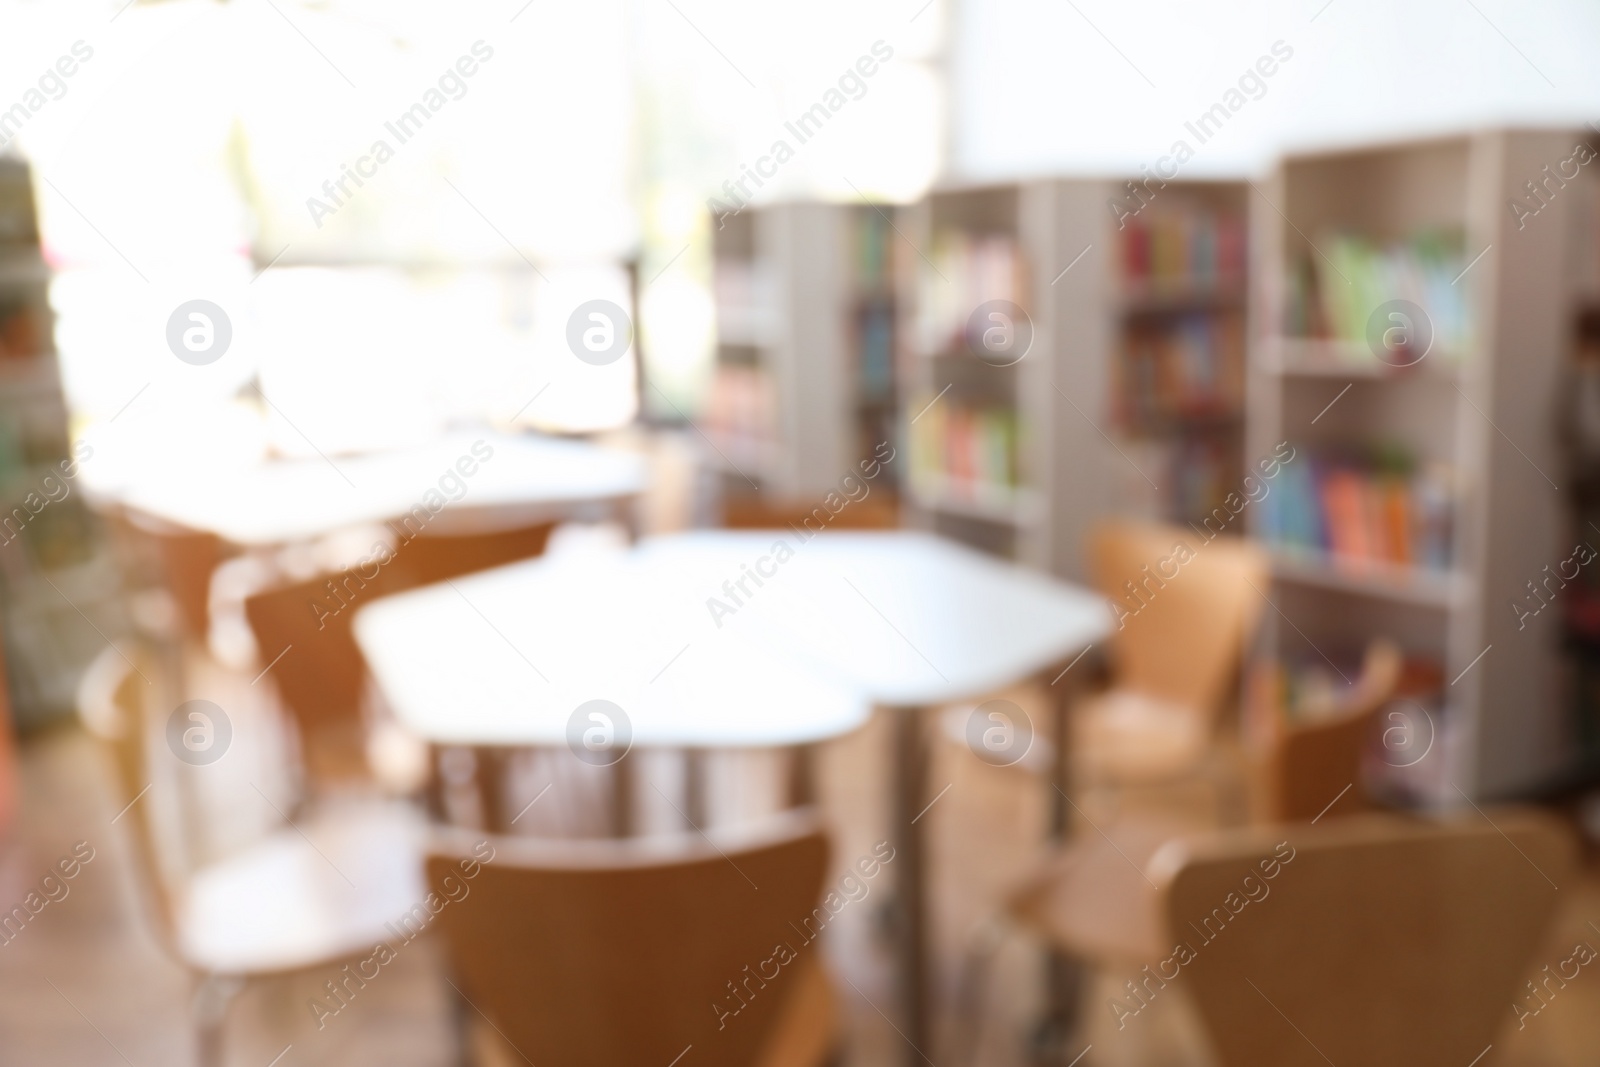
column 973, row 987
column 1056, row 1033
column 461, row 1018
column 208, row 1008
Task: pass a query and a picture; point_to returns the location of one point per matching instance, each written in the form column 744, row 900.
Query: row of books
column 874, row 249
column 1190, row 248
column 1177, row 479
column 956, row 445
column 1363, row 511
column 1200, row 472
column 964, row 271
column 1188, row 366
column 875, row 350
column 1338, row 296
column 741, row 412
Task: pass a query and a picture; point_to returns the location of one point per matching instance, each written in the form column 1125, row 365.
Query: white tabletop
column 273, row 502
column 506, row 656
column 846, row 621
column 911, row 618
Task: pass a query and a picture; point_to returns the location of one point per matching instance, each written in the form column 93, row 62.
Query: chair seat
column 1128, row 737
column 296, row 900
column 1092, row 898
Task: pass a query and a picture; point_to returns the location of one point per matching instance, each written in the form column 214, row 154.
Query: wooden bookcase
column 1464, row 510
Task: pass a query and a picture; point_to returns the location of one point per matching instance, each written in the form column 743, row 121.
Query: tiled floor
column 86, row 982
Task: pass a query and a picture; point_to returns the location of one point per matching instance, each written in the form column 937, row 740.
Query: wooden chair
column 597, row 953
column 1301, row 767
column 321, row 679
column 1091, row 893
column 1386, row 941
column 153, row 554
column 1185, row 610
column 303, row 897
column 1091, row 899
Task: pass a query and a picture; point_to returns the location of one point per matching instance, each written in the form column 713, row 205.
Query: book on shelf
column 1182, row 250
column 964, row 271
column 1335, row 297
column 741, row 412
column 1377, row 510
column 966, row 452
column 1201, row 472
column 1173, row 479
column 1181, row 368
column 875, row 350
column 874, row 251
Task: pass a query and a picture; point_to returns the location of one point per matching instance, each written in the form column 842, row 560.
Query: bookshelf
column 1580, row 433
column 1178, row 367
column 58, row 584
column 1422, row 496
column 806, row 380
column 1131, row 397
column 976, row 450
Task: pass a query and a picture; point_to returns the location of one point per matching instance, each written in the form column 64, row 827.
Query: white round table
column 487, row 480
column 716, row 638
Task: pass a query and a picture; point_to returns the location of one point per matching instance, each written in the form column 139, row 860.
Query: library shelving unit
column 1579, row 422
column 58, row 583
column 1422, row 497
column 974, row 468
column 804, row 386
column 1130, row 398
column 1178, row 367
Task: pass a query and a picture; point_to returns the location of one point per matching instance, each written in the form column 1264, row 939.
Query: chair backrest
column 1311, row 763
column 1375, row 940
column 433, row 557
column 597, row 953
column 1185, row 608
column 321, row 679
column 113, row 696
column 152, row 553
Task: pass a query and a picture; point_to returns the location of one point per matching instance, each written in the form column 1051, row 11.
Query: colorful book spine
column 1338, row 298
column 1175, row 249
column 966, row 452
column 966, row 270
column 1357, row 513
column 1190, row 366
